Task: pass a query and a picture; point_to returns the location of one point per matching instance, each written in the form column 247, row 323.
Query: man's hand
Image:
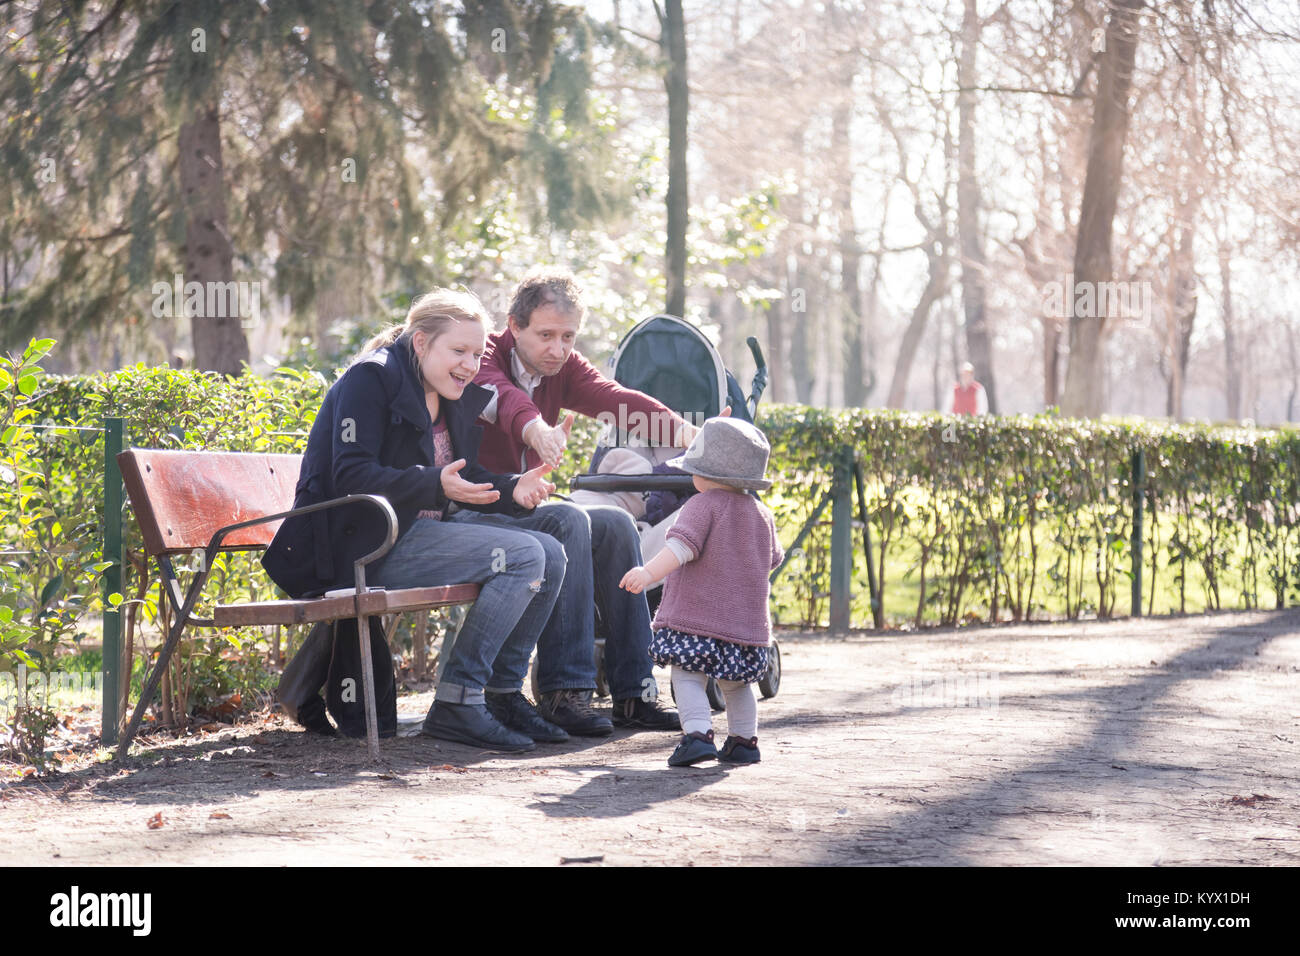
column 532, row 488
column 458, row 489
column 686, row 434
column 549, row 442
column 636, row 580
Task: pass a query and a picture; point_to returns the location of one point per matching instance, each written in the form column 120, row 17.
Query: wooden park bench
column 208, row 502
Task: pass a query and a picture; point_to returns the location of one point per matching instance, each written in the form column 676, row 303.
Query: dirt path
column 1148, row 742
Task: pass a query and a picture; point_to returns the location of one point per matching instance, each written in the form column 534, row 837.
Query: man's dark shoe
column 472, row 724
column 312, row 716
column 694, row 748
column 571, row 710
column 516, row 713
column 739, row 750
column 645, row 714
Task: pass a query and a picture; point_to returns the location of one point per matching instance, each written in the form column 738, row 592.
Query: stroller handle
column 681, row 484
column 760, row 375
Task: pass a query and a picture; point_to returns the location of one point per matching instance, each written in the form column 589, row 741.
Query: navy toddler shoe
column 739, row 750
column 694, row 748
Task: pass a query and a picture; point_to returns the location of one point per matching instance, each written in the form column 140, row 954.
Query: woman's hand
column 636, row 580
column 532, row 488
column 458, row 489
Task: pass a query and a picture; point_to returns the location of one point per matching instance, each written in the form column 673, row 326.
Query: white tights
column 693, row 704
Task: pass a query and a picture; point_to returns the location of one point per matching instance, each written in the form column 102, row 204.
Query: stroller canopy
column 672, row 360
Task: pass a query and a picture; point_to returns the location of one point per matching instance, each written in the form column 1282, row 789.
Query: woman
column 400, row 423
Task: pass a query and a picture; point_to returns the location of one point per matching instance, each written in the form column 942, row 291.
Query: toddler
column 713, row 620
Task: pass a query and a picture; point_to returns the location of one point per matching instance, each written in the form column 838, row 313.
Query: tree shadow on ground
column 248, row 760
column 1107, row 747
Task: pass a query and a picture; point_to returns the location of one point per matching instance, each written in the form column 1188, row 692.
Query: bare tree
column 1092, row 256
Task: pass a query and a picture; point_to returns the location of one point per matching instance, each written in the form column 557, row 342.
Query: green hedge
column 1014, row 516
column 971, row 518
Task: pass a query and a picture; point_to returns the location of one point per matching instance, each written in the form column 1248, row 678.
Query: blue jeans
column 602, row 544
column 521, row 573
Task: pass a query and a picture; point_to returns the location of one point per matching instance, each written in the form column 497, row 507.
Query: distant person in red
column 968, row 396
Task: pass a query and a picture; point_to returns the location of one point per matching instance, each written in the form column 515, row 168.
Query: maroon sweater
column 577, row 386
column 723, row 592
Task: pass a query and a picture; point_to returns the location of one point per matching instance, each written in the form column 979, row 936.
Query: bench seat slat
column 326, row 609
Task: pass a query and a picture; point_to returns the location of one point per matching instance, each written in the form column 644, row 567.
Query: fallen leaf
column 448, row 766
column 1254, row 798
column 155, row 821
column 218, row 815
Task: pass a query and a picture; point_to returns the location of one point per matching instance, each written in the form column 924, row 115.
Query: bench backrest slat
column 181, row 497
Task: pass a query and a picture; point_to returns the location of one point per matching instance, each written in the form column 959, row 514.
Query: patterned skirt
column 708, row 655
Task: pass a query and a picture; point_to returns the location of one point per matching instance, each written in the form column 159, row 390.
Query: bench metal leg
column 368, row 687
column 150, row 688
column 367, row 668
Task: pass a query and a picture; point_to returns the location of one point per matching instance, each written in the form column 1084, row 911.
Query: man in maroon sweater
column 535, row 371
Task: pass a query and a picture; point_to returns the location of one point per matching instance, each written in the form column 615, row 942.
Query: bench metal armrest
column 184, row 607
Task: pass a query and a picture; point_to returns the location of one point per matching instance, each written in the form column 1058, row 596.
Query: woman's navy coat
column 373, row 436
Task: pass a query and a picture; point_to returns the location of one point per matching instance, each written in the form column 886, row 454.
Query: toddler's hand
column 636, row 580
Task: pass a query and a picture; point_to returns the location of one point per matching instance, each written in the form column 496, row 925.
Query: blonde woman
column 400, row 422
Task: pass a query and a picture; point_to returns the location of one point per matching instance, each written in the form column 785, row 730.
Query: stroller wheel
column 716, row 700
column 770, row 682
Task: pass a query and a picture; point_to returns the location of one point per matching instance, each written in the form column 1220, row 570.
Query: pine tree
column 299, row 139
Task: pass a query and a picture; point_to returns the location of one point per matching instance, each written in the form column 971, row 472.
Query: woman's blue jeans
column 602, row 545
column 520, row 573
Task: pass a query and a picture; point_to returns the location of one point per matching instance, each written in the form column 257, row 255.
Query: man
column 535, row 370
column 968, row 397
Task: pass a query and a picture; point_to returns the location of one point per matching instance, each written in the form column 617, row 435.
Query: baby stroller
column 671, row 360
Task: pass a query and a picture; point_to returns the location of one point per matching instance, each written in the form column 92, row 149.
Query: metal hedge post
column 841, row 540
column 112, row 578
column 1139, row 482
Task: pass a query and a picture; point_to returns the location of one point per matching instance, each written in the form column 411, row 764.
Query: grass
column 791, row 596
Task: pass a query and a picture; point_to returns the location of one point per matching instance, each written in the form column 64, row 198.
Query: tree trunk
column 219, row 342
column 1183, row 319
column 801, row 362
column 776, row 353
column 1232, row 361
column 934, row 288
column 856, row 386
column 1295, row 372
column 973, row 265
column 673, row 39
column 1051, row 362
column 1092, row 253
